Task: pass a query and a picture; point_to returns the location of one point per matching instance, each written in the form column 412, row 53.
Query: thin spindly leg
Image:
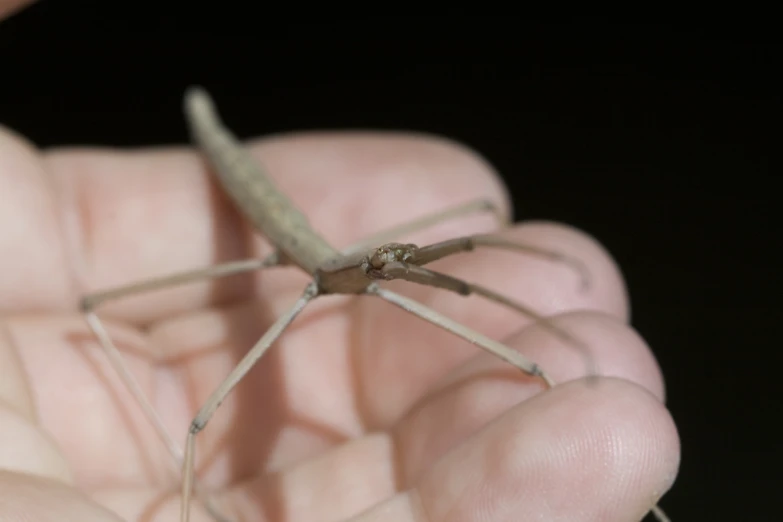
column 430, row 253
column 90, row 303
column 482, row 341
column 400, row 261
column 425, row 276
column 218, row 396
column 478, row 205
column 659, row 514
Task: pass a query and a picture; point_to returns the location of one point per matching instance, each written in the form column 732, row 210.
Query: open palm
column 360, row 410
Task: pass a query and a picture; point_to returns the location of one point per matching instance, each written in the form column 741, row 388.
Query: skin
column 360, row 412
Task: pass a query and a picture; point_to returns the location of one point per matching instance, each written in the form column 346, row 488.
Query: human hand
column 358, row 406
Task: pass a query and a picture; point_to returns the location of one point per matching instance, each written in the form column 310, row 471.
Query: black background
column 660, row 141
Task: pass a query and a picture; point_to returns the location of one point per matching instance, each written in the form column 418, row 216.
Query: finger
column 399, row 356
column 573, row 453
column 159, row 212
column 612, row 349
column 482, row 389
column 33, row 268
column 522, row 466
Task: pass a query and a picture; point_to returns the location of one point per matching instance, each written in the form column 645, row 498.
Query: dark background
column 660, row 141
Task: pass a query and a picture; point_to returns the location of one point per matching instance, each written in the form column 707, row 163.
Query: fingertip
column 485, row 171
column 597, row 345
column 605, row 452
column 614, row 442
column 379, row 179
column 607, row 348
column 597, row 281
